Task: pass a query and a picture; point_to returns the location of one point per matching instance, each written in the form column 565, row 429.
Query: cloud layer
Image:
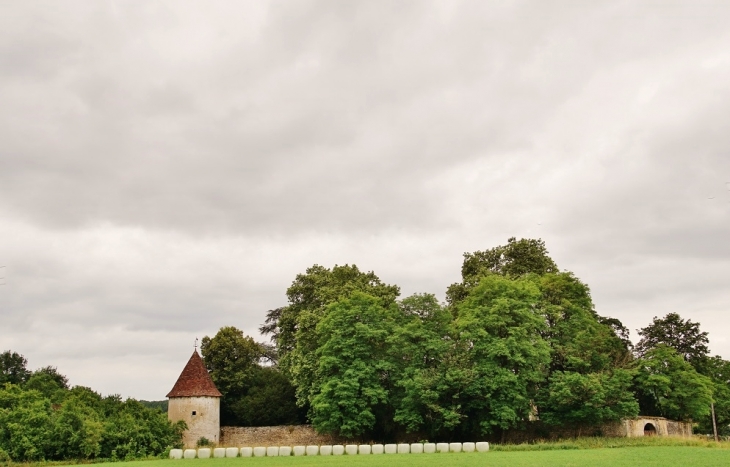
column 167, row 168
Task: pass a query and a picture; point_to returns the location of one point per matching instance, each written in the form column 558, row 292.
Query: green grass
column 656, row 451
column 601, row 442
column 660, row 456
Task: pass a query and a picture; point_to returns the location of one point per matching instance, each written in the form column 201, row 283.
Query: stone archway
column 649, row 429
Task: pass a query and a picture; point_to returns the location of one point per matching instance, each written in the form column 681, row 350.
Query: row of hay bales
column 329, row 450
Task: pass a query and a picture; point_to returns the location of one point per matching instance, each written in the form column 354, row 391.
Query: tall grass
column 597, row 443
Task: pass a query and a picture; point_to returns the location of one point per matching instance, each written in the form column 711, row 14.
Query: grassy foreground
column 629, row 457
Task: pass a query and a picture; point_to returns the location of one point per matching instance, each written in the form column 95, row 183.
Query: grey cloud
column 167, row 168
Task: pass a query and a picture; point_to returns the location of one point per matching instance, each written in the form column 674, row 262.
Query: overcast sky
column 167, row 168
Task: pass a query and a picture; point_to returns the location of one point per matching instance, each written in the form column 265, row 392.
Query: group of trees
column 517, row 340
column 255, row 392
column 42, row 418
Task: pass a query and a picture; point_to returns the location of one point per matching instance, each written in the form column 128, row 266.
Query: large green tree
column 590, row 381
column 670, row 387
column 295, row 326
column 253, row 395
column 347, row 391
column 429, row 368
column 502, row 330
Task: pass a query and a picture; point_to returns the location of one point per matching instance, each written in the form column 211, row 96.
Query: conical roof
column 194, row 381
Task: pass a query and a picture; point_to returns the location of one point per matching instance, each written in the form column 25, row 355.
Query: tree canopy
column 684, row 336
column 253, row 394
column 41, row 418
column 519, row 340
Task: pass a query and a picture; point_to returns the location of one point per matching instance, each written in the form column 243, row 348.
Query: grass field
column 660, row 456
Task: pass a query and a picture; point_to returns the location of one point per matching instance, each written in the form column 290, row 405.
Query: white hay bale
column 364, row 449
column 176, row 453
column 404, row 448
column 454, row 447
column 377, row 449
column 299, row 450
column 391, row 448
column 285, row 451
column 482, row 446
column 429, row 448
column 247, row 452
column 351, row 449
column 312, row 450
column 338, row 450
column 259, row 451
column 190, row 453
column 442, row 447
column 416, row 448
column 468, row 447
column 272, row 451
column 204, row 453
column 219, row 452
column 325, row 450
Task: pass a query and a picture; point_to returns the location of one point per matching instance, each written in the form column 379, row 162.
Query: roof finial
column 196, row 344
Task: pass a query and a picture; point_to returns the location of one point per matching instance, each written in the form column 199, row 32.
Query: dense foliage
column 678, row 377
column 41, row 418
column 253, row 394
column 518, row 340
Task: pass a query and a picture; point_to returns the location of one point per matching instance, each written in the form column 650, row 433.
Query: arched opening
column 649, row 430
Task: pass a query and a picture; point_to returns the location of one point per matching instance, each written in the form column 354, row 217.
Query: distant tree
column 46, row 385
column 670, row 387
column 161, row 405
column 13, row 368
column 52, row 371
column 684, row 336
column 515, row 259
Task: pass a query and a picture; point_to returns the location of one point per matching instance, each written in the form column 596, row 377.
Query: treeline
column 518, row 340
column 42, row 418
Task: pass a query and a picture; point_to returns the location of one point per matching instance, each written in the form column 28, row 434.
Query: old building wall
column 681, row 429
column 292, row 435
column 202, row 415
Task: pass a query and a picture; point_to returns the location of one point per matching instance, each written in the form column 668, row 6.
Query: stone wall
column 662, row 426
column 536, row 430
column 302, row 435
column 293, row 435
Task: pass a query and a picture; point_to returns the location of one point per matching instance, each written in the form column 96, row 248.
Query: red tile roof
column 194, row 381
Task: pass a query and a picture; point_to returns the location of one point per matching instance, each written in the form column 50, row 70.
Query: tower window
column 193, row 412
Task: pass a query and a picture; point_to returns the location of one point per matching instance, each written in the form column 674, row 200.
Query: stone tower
column 195, row 400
